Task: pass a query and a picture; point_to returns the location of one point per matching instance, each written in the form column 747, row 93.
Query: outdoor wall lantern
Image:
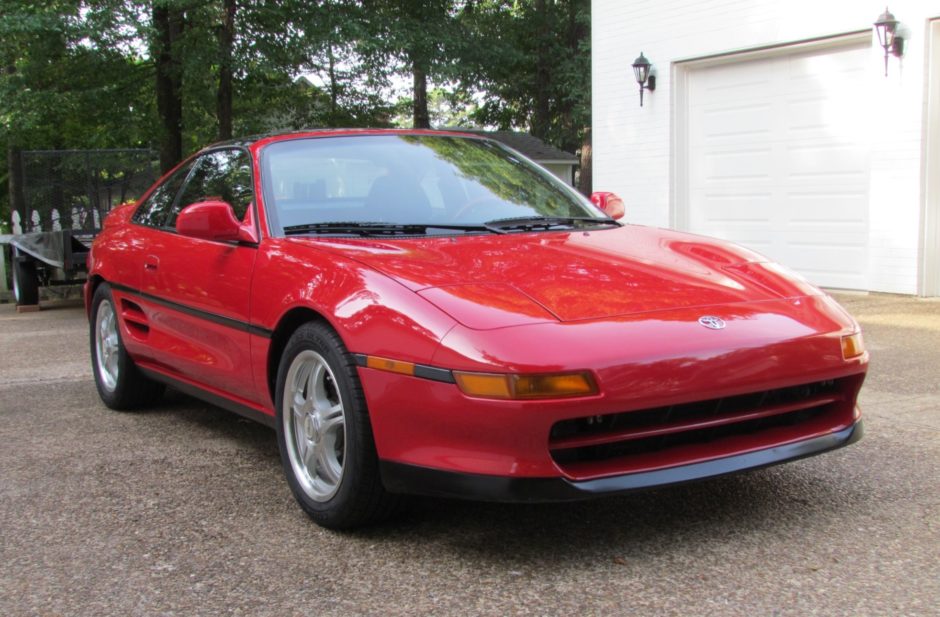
column 641, row 69
column 888, row 36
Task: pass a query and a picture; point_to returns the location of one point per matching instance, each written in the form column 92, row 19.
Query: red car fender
column 372, row 313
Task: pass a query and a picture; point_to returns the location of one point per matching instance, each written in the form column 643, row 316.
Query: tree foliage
column 67, row 82
column 531, row 62
column 175, row 75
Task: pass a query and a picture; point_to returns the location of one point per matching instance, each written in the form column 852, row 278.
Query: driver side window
column 220, row 174
column 157, row 209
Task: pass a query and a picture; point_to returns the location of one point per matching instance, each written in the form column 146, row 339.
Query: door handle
column 151, row 262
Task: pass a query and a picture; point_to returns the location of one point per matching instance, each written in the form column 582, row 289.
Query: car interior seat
column 397, row 199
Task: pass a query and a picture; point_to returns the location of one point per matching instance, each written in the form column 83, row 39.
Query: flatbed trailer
column 47, row 259
column 59, row 199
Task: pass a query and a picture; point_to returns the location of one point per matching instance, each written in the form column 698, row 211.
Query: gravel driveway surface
column 183, row 510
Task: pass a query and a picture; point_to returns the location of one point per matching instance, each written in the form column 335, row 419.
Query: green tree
column 417, row 38
column 177, row 74
column 69, row 78
column 530, row 62
column 346, row 60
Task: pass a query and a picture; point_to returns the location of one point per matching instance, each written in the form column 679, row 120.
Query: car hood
column 489, row 281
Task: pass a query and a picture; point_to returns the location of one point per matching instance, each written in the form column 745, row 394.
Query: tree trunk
column 541, row 114
column 168, row 23
column 422, row 120
column 224, row 96
column 334, row 86
column 569, row 109
column 586, row 179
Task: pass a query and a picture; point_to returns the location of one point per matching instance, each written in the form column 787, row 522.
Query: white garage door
column 778, row 159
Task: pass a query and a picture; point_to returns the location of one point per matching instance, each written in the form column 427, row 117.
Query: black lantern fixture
column 887, row 29
column 641, row 69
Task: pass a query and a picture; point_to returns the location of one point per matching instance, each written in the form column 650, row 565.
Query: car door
column 196, row 291
column 128, row 258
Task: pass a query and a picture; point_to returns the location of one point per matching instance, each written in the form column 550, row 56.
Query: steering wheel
column 479, row 204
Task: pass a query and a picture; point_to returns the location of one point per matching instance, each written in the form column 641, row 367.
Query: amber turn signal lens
column 852, row 346
column 484, row 384
column 392, row 366
column 495, row 385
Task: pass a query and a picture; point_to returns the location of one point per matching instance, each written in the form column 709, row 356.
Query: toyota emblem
column 712, row 322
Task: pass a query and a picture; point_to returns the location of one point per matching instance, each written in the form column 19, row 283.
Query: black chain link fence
column 74, row 189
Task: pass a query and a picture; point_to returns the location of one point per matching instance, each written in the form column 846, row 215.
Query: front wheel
column 324, row 433
column 120, row 384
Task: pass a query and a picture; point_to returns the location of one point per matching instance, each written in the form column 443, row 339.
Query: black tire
column 25, row 279
column 120, row 383
column 357, row 497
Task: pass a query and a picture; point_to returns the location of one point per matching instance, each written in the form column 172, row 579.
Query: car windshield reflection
column 429, row 183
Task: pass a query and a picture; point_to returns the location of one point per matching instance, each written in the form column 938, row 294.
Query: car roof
column 257, row 140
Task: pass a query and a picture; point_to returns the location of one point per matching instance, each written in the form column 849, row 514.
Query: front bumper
column 412, row 479
column 672, row 396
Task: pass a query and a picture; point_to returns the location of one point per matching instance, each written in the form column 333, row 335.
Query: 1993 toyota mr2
column 429, row 312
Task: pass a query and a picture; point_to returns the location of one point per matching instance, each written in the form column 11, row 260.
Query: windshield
column 461, row 184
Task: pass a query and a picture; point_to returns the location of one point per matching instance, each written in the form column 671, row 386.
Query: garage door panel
column 833, row 64
column 808, row 115
column 737, row 208
column 823, row 238
column 728, row 203
column 735, row 81
column 828, row 163
column 841, row 209
column 826, row 262
column 819, row 260
column 737, row 165
column 779, row 159
column 738, row 123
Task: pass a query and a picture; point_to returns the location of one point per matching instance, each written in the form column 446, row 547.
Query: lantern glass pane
column 640, row 71
column 888, row 39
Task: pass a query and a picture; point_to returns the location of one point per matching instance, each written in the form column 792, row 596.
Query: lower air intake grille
column 690, row 432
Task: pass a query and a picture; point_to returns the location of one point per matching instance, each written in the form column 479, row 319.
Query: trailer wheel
column 25, row 279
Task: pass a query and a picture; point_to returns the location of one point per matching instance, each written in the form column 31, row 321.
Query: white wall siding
column 633, row 146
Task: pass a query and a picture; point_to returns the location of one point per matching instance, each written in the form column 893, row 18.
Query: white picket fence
column 76, row 219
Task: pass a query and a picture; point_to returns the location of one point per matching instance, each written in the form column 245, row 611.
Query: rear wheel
column 120, row 384
column 25, row 279
column 324, row 433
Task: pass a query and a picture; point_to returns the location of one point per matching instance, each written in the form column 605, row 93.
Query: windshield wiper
column 379, row 229
column 528, row 223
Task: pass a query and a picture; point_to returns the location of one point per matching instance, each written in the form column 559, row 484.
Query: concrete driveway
column 182, row 510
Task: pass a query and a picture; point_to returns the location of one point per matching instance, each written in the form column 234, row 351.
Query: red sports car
column 430, row 312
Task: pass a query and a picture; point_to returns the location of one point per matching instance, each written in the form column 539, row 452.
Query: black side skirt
column 213, row 399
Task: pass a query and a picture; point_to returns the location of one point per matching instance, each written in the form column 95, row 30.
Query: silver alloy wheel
column 107, row 346
column 314, row 425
